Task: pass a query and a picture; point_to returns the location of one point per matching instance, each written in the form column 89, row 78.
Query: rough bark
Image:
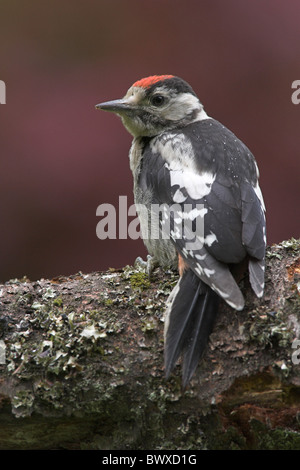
column 83, row 365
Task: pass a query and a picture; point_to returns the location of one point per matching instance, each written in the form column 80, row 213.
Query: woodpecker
column 181, row 157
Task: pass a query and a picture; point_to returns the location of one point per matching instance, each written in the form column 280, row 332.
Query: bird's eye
column 157, row 100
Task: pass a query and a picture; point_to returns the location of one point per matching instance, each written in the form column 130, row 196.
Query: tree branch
column 82, row 365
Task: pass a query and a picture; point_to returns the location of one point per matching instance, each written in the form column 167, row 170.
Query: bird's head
column 156, row 104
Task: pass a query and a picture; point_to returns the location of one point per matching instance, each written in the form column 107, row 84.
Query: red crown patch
column 148, row 81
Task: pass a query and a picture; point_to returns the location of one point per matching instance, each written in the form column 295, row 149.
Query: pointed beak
column 115, row 106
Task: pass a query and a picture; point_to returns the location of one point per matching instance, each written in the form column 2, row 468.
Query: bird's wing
column 206, row 179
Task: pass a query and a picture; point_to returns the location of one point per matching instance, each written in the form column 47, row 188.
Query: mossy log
column 82, row 365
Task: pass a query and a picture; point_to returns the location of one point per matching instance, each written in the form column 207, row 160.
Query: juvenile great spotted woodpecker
column 187, row 161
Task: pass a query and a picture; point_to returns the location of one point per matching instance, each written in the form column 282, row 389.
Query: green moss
column 292, row 246
column 269, row 328
column 140, row 281
column 22, row 403
column 58, row 302
column 149, row 324
column 225, row 439
column 279, row 438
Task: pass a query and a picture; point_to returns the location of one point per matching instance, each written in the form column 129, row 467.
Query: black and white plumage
column 200, row 183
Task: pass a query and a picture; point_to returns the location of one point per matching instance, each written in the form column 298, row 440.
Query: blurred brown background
column 60, row 158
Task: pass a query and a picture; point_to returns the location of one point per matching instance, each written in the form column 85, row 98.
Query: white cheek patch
column 183, row 105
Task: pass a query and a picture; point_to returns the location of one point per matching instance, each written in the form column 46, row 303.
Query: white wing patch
column 197, row 185
column 175, row 149
column 191, row 214
column 178, row 153
column 209, row 239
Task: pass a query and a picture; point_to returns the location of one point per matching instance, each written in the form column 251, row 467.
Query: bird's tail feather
column 257, row 276
column 190, row 317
